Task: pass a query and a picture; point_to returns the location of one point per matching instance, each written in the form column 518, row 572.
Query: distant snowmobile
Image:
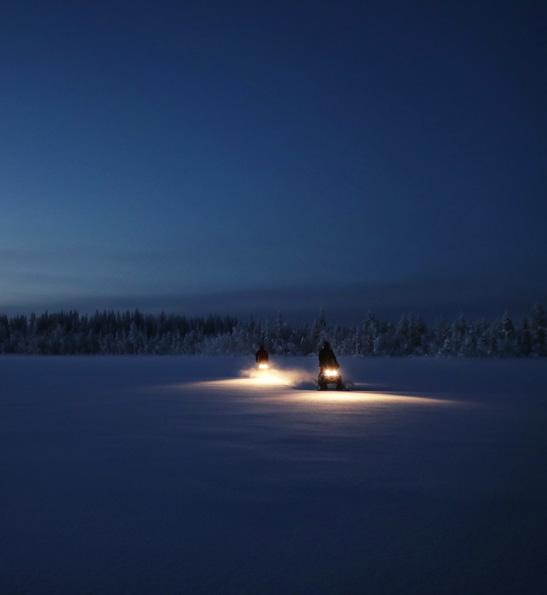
column 262, row 358
column 329, row 369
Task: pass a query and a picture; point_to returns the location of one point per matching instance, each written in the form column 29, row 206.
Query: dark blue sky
column 246, row 156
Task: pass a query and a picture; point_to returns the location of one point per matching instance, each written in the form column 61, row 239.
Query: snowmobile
column 330, row 375
column 262, row 358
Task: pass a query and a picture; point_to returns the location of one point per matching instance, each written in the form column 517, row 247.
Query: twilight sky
column 254, row 155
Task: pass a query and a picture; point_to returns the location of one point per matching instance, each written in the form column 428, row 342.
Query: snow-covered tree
column 137, row 333
column 538, row 329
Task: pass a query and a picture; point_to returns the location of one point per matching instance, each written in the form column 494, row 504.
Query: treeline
column 137, row 333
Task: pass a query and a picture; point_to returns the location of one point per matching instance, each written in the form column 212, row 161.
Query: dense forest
column 137, row 333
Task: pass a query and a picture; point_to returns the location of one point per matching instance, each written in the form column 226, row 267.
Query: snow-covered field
column 175, row 475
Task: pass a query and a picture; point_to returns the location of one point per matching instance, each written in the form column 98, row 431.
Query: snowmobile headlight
column 263, row 366
column 331, row 373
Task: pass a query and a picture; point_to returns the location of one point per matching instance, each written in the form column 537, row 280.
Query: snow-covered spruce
column 137, row 333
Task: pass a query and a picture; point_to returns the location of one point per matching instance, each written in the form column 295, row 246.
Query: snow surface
column 176, row 475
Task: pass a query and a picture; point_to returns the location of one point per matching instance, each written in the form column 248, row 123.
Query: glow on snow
column 254, row 379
